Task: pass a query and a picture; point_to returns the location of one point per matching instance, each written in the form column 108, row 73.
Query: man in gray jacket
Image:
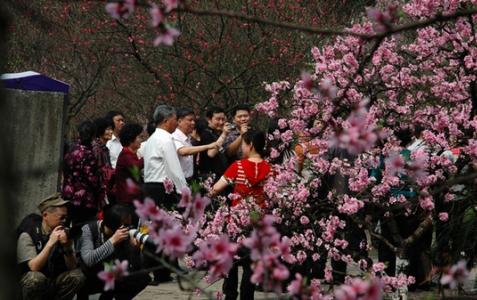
column 106, row 241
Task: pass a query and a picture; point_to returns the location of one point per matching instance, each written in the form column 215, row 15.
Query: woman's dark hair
column 116, row 215
column 258, row 140
column 86, row 133
column 151, row 127
column 129, row 133
column 404, row 135
column 111, row 114
column 101, row 125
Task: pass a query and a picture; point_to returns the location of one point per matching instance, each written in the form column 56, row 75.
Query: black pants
column 418, row 253
column 247, row 288
column 157, row 192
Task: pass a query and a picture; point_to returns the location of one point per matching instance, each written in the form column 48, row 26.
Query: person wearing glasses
column 45, row 253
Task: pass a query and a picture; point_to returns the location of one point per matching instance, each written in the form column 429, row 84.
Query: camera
column 142, row 238
column 232, row 126
column 73, row 232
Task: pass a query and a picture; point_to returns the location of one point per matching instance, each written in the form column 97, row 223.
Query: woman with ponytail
column 249, row 174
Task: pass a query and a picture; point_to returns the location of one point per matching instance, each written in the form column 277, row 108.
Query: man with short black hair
column 214, row 161
column 181, row 137
column 114, row 145
column 45, row 253
column 241, row 120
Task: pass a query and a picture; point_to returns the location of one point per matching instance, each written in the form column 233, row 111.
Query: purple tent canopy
column 33, row 81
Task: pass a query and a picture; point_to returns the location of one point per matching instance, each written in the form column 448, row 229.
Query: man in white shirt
column 161, row 162
column 181, row 137
column 114, row 145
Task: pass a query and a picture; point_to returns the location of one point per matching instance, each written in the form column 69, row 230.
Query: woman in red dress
column 248, row 176
column 128, row 175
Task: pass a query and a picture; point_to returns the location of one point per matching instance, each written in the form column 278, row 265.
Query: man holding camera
column 106, row 241
column 214, row 160
column 241, row 123
column 45, row 254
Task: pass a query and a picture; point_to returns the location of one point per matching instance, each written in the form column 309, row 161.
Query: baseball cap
column 52, row 201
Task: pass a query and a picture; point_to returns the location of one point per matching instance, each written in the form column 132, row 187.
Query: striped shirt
column 94, row 252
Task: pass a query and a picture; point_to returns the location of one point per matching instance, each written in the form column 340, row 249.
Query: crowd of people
column 112, row 164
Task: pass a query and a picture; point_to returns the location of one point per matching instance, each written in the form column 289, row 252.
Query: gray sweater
column 89, row 254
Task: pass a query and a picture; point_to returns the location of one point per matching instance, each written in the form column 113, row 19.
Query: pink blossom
column 395, row 164
column 328, row 89
column 109, row 279
column 168, row 185
column 350, row 205
column 360, row 289
column 426, row 202
column 383, row 20
column 121, row 10
column 378, row 267
column 443, row 216
column 171, row 4
column 157, row 16
column 174, row 242
column 217, row 254
column 358, row 133
column 166, row 36
column 147, row 210
column 456, row 275
column 304, row 220
column 113, row 272
column 131, row 186
column 295, row 287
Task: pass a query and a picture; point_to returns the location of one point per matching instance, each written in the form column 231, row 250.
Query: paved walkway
column 171, row 291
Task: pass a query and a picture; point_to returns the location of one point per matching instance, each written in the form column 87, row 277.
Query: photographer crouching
column 48, row 266
column 105, row 241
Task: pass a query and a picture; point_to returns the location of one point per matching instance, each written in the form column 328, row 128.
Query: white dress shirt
column 161, row 161
column 141, row 149
column 115, row 147
column 187, row 161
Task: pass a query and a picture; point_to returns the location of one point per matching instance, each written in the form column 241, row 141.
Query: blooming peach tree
column 386, row 118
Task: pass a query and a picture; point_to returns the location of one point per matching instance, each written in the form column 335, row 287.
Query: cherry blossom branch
column 258, row 20
column 324, row 31
column 428, row 22
column 423, row 226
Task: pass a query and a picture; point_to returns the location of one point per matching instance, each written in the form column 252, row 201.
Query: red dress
column 248, row 178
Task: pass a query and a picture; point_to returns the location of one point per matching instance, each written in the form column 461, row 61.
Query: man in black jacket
column 45, row 254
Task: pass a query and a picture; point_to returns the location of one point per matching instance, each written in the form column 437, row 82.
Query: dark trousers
column 247, row 288
column 36, row 286
column 355, row 236
column 168, row 202
column 157, row 192
column 418, row 253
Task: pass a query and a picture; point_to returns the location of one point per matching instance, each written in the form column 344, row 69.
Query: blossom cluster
column 166, row 34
